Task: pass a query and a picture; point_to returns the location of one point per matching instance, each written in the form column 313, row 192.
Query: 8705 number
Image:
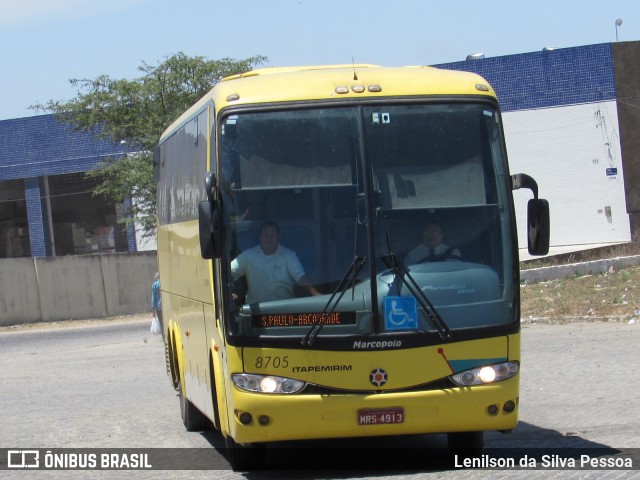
column 275, row 362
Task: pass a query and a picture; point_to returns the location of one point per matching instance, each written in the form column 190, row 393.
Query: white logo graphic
column 378, row 377
column 400, row 313
column 23, row 459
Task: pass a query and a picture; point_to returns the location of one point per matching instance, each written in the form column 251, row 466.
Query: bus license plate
column 380, row 416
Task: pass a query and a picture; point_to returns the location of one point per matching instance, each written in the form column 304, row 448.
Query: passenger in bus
column 242, row 206
column 271, row 270
column 252, row 212
column 432, row 248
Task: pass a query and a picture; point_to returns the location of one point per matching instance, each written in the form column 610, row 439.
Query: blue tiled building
column 46, row 204
column 571, row 119
column 548, row 78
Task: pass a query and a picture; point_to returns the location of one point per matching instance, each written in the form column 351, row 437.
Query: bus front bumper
column 256, row 418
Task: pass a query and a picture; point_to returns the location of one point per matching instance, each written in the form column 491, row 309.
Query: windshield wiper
column 349, row 277
column 403, row 276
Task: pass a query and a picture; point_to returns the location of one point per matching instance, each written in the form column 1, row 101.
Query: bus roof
column 272, row 70
column 334, row 82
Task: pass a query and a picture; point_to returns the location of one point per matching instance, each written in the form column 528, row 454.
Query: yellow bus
column 338, row 257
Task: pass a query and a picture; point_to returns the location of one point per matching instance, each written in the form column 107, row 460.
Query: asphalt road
column 105, row 386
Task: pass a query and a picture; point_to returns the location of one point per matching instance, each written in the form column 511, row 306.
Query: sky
column 45, row 43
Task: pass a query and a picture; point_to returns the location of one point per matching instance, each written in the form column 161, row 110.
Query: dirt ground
column 138, row 317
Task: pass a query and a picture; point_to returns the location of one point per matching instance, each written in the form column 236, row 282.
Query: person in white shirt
column 432, row 247
column 271, row 270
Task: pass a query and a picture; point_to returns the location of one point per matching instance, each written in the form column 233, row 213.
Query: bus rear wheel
column 465, row 443
column 245, row 457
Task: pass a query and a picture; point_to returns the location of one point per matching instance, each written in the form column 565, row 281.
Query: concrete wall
column 559, row 272
column 75, row 287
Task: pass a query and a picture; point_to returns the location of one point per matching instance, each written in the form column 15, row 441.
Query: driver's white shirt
column 269, row 277
column 422, row 253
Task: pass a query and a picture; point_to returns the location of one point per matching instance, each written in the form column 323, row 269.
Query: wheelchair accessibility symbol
column 400, row 313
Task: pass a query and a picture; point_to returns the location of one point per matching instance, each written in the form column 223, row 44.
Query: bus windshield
column 366, row 220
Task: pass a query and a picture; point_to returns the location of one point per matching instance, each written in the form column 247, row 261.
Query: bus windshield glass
column 366, row 220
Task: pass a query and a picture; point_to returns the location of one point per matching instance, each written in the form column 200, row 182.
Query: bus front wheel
column 194, row 420
column 245, row 457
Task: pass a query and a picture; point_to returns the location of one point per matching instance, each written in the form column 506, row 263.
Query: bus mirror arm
column 210, row 186
column 522, row 180
column 538, row 219
column 209, row 221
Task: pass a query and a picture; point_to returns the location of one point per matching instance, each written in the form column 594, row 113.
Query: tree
column 137, row 112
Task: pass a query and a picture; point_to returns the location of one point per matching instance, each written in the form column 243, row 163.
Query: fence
column 94, row 286
column 75, row 287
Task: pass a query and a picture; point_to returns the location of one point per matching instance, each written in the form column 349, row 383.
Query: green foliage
column 137, row 112
column 130, row 177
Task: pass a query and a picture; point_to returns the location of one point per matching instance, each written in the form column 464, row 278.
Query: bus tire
column 245, row 457
column 167, row 358
column 192, row 418
column 174, row 374
column 465, row 443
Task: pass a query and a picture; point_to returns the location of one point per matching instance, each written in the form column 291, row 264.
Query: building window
column 83, row 222
column 14, row 227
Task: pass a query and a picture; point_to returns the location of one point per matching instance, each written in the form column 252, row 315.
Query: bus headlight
column 486, row 374
column 266, row 383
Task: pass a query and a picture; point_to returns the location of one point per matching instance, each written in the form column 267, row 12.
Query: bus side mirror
column 538, row 230
column 538, row 226
column 209, row 222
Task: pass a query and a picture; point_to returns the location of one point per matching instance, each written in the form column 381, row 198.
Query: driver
column 271, row 269
column 432, row 248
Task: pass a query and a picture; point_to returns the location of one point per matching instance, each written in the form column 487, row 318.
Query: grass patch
column 614, row 295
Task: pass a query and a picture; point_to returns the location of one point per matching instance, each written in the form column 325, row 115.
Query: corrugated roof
column 547, row 78
column 41, row 145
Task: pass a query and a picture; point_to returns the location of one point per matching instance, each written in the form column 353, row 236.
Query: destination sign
column 303, row 319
